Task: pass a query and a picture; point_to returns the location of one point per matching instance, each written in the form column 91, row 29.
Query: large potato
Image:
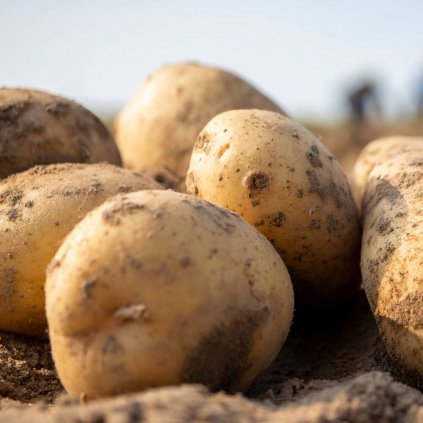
column 40, row 128
column 279, row 177
column 376, row 152
column 159, row 288
column 156, row 130
column 392, row 251
column 37, row 209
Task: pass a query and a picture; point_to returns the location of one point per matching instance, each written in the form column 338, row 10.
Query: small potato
column 156, row 130
column 376, row 152
column 392, row 249
column 41, row 128
column 159, row 288
column 277, row 175
column 37, row 210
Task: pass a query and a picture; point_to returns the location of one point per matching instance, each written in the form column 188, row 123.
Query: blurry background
column 326, row 62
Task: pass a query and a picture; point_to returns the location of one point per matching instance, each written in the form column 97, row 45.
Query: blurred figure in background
column 363, row 102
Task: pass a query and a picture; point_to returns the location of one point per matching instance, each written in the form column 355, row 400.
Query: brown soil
column 26, row 371
column 332, row 368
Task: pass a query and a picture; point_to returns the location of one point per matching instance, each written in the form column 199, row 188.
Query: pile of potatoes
column 138, row 286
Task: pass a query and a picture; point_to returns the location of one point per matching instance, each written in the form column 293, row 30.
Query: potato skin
column 158, row 288
column 157, row 129
column 376, row 152
column 37, row 210
column 277, row 176
column 392, row 253
column 41, row 128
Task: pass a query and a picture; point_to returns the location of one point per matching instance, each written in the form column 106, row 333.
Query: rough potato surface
column 158, row 288
column 392, row 252
column 157, row 129
column 377, row 152
column 38, row 208
column 41, row 128
column 279, row 177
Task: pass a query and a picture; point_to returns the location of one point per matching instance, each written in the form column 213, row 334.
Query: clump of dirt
column 332, row 368
column 27, row 372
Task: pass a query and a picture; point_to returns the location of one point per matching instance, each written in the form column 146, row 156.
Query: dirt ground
column 333, row 368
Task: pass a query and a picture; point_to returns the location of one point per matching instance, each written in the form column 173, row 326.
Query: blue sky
column 301, row 53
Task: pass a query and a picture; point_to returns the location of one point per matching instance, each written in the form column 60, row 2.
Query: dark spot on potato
column 88, row 287
column 13, row 214
column 277, row 219
column 315, row 185
column 95, row 188
column 11, row 112
column 338, row 194
column 256, row 182
column 58, row 109
column 255, row 203
column 300, row 193
column 222, row 218
column 110, row 218
column 73, row 192
column 112, row 346
column 11, row 197
column 383, row 226
column 222, row 356
column 314, row 224
column 29, row 204
column 136, row 264
column 382, row 190
column 333, row 224
column 313, row 156
column 113, row 214
column 124, row 189
column 387, row 253
column 185, row 261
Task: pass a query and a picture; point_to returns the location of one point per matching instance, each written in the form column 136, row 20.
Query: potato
column 159, row 288
column 37, row 209
column 376, row 152
column 156, row 130
column 277, row 176
column 40, row 128
column 392, row 250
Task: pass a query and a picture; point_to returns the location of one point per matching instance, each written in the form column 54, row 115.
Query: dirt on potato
column 332, row 368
